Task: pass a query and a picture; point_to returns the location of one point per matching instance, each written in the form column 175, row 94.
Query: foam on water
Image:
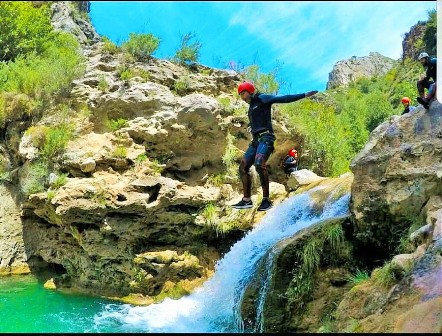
column 214, row 307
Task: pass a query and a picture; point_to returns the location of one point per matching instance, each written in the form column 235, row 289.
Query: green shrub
column 182, row 85
column 385, row 276
column 231, row 154
column 216, row 180
column 141, row 46
column 43, row 75
column 325, row 137
column 59, row 181
column 56, row 140
column 266, row 83
column 358, row 277
column 116, row 124
column 140, row 159
column 24, row 28
column 109, row 47
column 430, row 35
column 120, row 152
column 34, row 177
column 50, row 194
column 209, row 213
column 102, row 84
column 188, row 52
column 157, row 167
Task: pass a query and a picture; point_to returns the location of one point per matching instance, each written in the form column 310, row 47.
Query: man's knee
column 260, row 167
column 243, row 169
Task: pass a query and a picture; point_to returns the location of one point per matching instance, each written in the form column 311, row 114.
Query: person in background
column 407, row 107
column 290, row 162
column 263, row 138
column 427, row 81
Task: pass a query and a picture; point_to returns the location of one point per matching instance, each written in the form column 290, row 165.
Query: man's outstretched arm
column 272, row 99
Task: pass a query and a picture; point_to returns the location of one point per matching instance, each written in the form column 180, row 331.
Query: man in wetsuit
column 259, row 150
column 428, row 81
column 290, row 162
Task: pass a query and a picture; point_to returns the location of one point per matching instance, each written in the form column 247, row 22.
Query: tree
column 23, row 29
column 188, row 53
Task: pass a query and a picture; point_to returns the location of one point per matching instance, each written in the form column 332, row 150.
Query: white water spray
column 215, row 306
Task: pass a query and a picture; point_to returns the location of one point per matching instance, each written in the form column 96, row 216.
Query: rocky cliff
column 346, row 71
column 395, row 201
column 410, row 47
column 144, row 211
column 131, row 216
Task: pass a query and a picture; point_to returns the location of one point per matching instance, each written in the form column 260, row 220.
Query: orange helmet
column 293, row 153
column 246, row 86
column 405, row 100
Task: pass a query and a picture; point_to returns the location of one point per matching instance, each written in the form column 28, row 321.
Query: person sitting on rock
column 407, row 107
column 427, row 81
column 290, row 162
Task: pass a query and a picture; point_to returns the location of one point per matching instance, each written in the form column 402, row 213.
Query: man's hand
column 311, row 93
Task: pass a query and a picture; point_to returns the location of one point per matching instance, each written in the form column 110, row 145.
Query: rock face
column 64, row 19
column 346, row 71
column 130, row 217
column 13, row 258
column 396, row 173
column 408, row 43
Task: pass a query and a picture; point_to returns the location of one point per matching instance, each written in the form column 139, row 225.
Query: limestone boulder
column 397, row 173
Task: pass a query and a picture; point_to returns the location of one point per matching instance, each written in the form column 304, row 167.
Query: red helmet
column 293, row 152
column 405, row 100
column 246, row 86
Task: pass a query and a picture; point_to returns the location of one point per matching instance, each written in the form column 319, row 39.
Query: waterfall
column 215, row 306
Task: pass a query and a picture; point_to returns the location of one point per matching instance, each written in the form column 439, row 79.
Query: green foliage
column 216, row 180
column 188, row 52
column 124, row 72
column 358, row 277
column 157, row 167
column 209, row 213
column 182, row 85
column 100, row 197
column 335, row 129
column 24, row 28
column 225, row 102
column 310, row 257
column 140, row 159
column 380, row 109
column 50, row 194
column 334, row 235
column 102, row 84
column 263, row 82
column 109, row 47
column 141, row 46
column 34, row 177
column 56, row 140
column 120, row 152
column 299, row 289
column 430, row 35
column 325, row 137
column 385, row 276
column 43, row 75
column 116, row 124
column 231, row 154
column 59, row 181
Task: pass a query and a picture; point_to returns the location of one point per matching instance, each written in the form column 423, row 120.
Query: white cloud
column 313, row 36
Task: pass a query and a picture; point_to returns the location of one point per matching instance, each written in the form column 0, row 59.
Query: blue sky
column 303, row 39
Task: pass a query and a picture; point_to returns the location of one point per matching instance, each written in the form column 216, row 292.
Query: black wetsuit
column 260, row 122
